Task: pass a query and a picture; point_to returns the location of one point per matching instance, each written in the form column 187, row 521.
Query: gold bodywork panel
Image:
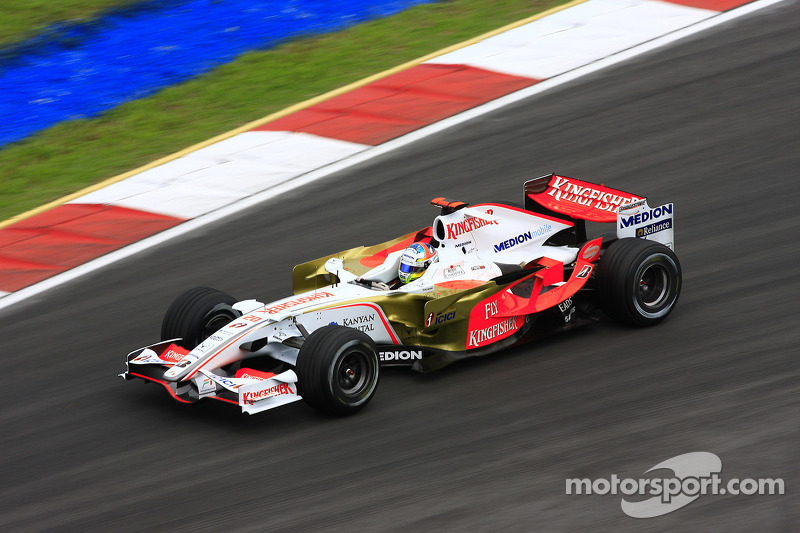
column 312, row 275
column 407, row 312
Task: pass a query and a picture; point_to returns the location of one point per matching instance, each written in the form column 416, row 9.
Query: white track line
column 376, row 151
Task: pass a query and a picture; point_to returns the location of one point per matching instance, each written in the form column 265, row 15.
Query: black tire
column 338, row 370
column 638, row 281
column 196, row 314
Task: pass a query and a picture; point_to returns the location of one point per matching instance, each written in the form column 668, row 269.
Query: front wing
column 252, row 390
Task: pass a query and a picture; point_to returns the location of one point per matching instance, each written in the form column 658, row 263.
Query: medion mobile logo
column 523, row 237
column 401, row 355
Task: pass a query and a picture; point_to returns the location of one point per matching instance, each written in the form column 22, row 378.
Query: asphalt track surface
column 710, row 123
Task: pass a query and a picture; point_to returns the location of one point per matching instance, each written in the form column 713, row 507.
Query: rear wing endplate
column 644, row 222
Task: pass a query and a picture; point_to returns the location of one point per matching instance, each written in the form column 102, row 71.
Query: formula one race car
column 501, row 274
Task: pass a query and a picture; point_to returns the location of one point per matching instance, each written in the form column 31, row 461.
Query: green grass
column 22, row 19
column 75, row 154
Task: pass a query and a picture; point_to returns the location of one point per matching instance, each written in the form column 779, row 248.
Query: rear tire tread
column 614, row 284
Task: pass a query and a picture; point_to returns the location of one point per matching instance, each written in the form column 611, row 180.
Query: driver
column 416, row 259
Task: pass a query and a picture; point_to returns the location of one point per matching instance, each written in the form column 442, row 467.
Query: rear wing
column 581, row 201
column 573, row 199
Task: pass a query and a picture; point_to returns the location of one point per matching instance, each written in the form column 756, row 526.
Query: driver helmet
column 415, row 260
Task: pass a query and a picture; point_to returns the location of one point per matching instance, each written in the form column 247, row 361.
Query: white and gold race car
column 502, row 274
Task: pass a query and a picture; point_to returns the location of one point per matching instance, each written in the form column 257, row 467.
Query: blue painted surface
column 82, row 70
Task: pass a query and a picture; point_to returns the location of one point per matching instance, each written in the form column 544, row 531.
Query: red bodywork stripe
column 164, row 384
column 253, row 373
column 235, row 339
column 531, row 213
column 553, row 272
column 222, row 399
column 380, row 314
column 376, row 259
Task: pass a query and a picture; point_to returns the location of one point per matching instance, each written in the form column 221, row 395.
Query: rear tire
column 338, row 370
column 197, row 314
column 638, row 281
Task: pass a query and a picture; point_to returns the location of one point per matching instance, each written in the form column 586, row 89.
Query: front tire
column 638, row 281
column 338, row 370
column 197, row 314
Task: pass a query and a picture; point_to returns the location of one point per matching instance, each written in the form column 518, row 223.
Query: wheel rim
column 653, row 286
column 353, row 373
